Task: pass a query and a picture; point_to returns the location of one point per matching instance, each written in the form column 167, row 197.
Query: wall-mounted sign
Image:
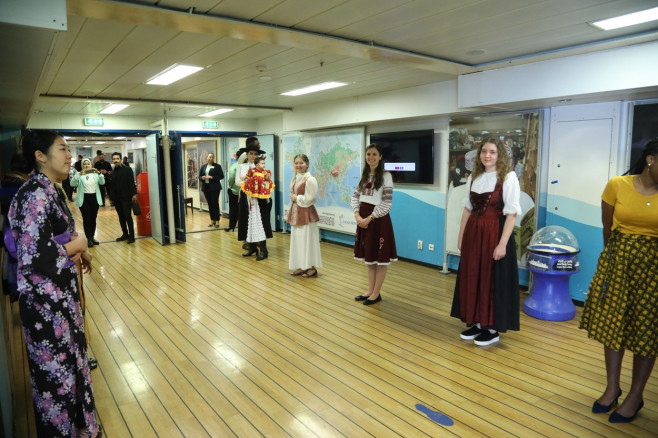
column 209, row 124
column 93, row 121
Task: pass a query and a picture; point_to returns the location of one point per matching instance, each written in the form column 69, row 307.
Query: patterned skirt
column 376, row 244
column 621, row 310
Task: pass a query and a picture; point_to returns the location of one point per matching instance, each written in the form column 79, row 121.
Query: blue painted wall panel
column 590, row 240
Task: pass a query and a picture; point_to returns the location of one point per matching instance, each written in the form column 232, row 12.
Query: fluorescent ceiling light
column 627, row 20
column 214, row 113
column 119, row 138
column 173, row 73
column 314, row 88
column 113, row 108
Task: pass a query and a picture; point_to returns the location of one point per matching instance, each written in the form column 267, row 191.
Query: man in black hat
column 246, row 157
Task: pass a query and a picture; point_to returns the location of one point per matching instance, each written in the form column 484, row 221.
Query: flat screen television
column 408, row 155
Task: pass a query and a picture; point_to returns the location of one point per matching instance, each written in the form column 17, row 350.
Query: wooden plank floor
column 194, row 340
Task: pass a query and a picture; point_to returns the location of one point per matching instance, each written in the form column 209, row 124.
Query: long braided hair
column 650, row 148
column 379, row 171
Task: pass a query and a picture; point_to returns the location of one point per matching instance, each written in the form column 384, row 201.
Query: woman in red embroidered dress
column 487, row 287
column 374, row 242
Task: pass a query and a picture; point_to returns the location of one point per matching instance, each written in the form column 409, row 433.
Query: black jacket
column 123, row 184
column 214, row 184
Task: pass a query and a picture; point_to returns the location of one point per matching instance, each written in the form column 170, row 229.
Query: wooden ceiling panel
column 219, row 51
column 175, row 50
column 402, row 17
column 132, row 50
column 291, row 12
column 249, row 10
column 61, row 47
column 349, row 13
column 226, row 72
column 92, row 44
column 200, row 6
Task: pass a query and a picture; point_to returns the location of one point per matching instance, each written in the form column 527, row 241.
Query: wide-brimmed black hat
column 249, row 148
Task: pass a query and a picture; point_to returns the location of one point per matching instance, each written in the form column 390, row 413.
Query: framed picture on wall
column 192, row 169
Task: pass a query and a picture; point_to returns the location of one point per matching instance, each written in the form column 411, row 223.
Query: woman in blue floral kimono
column 49, row 301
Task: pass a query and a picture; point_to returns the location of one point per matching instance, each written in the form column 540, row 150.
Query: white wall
column 425, row 101
column 632, row 69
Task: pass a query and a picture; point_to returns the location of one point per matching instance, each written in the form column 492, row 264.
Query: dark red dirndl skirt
column 376, row 244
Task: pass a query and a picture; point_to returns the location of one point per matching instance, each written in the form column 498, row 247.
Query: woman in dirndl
column 486, row 293
column 374, row 242
column 621, row 310
column 303, row 218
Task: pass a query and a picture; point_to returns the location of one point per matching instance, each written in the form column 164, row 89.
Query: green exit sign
column 93, row 121
column 207, row 124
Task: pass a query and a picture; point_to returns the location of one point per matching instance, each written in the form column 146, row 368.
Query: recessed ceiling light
column 113, row 108
column 119, row 138
column 214, row 113
column 627, row 20
column 314, row 88
column 173, row 73
column 476, row 52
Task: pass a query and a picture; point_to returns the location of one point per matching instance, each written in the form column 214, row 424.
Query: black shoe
column 360, row 298
column 90, row 243
column 598, row 408
column 229, row 229
column 122, row 238
column 96, row 242
column 486, row 338
column 262, row 254
column 618, row 418
column 470, row 333
column 131, row 239
column 93, row 363
column 252, row 249
column 368, row 301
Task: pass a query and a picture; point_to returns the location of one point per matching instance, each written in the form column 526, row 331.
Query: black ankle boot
column 252, row 249
column 263, row 250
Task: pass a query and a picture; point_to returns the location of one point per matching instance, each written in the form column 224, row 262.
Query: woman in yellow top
column 621, row 310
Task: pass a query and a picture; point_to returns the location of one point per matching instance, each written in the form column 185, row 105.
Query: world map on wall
column 335, row 161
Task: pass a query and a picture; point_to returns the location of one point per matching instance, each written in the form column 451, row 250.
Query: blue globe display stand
column 552, row 258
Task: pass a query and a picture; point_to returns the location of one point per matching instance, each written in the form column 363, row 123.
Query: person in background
column 105, row 168
column 621, row 310
column 51, row 316
column 258, row 186
column 210, row 177
column 246, row 157
column 125, row 162
column 124, row 192
column 487, row 288
column 96, row 158
column 305, row 256
column 19, row 171
column 88, row 183
column 78, row 164
column 233, row 196
column 374, row 242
